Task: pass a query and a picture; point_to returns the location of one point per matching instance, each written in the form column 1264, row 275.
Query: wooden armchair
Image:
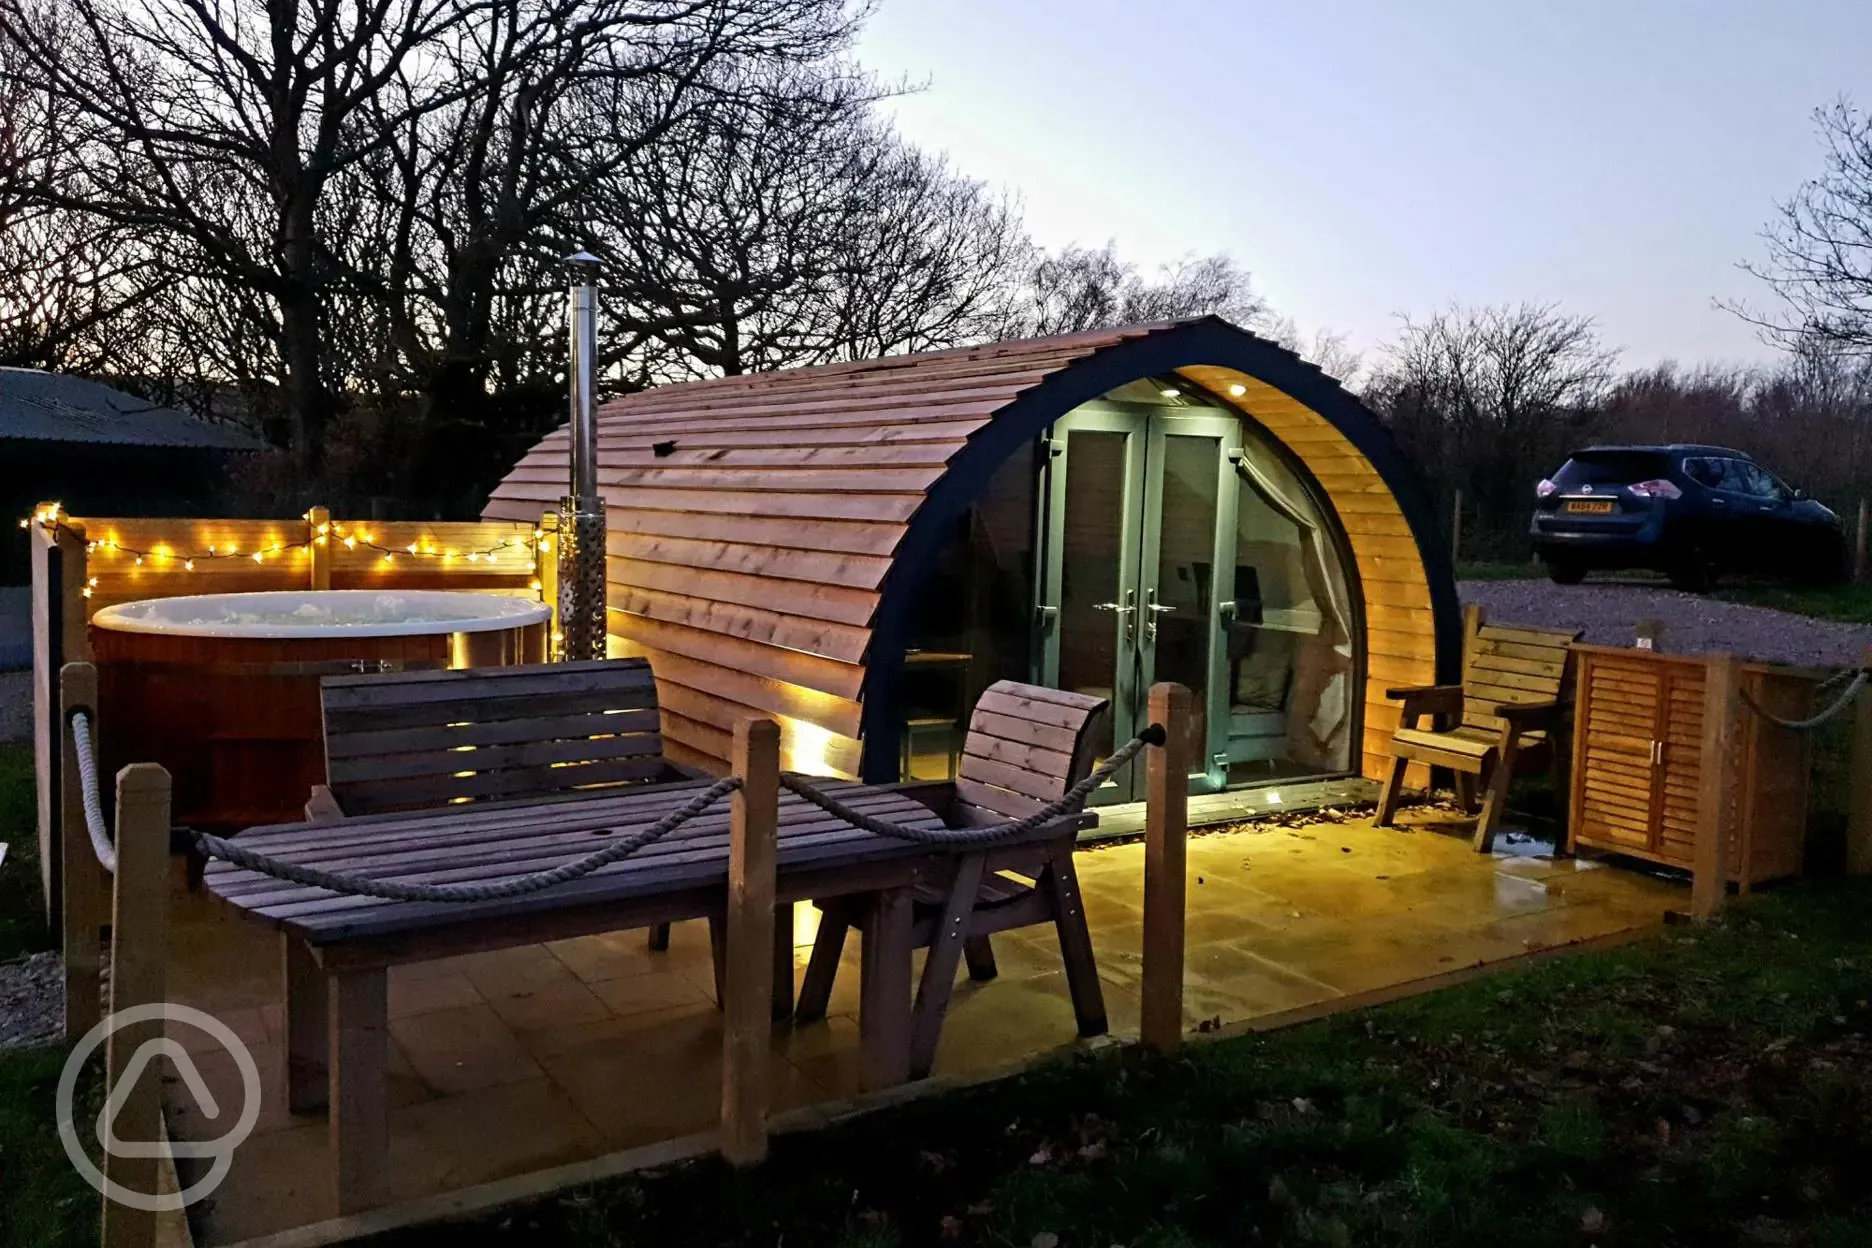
column 1506, row 714
column 1026, row 747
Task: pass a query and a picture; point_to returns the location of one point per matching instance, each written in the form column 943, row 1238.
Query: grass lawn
column 22, row 912
column 1852, row 603
column 43, row 1202
column 1703, row 1088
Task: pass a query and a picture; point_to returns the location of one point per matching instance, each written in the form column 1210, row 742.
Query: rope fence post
column 318, row 546
column 1718, row 796
column 748, row 987
column 1166, row 860
column 84, row 884
column 1859, row 823
column 139, row 949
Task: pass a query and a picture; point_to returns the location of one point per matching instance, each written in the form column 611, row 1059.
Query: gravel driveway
column 1692, row 624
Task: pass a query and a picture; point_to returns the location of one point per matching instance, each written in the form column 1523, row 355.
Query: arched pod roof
column 768, row 533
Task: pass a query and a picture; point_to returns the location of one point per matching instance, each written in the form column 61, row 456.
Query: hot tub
column 222, row 689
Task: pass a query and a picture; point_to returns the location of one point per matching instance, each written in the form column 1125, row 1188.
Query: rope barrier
column 489, row 890
column 517, row 886
column 1856, row 681
column 88, row 786
column 991, row 834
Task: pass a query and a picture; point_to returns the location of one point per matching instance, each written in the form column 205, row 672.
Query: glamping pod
column 860, row 549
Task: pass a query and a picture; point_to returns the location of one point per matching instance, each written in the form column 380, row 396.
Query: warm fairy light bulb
column 492, row 557
column 139, row 561
column 324, row 529
column 1236, row 390
column 211, row 549
column 87, row 591
column 474, row 556
column 350, row 543
column 412, row 548
column 188, row 565
column 278, row 546
column 388, row 557
column 534, row 584
column 545, row 545
column 259, row 556
column 92, row 581
column 1170, row 392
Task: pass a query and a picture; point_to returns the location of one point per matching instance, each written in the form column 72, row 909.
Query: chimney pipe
column 582, row 623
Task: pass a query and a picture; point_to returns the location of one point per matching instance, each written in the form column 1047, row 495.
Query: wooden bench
column 414, row 740
column 1026, row 747
column 1507, row 712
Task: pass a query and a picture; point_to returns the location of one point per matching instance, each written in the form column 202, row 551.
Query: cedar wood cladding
column 749, row 563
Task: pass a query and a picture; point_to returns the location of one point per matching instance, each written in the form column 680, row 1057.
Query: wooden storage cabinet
column 1637, row 780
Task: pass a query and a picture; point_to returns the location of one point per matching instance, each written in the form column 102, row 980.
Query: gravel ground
column 1692, row 624
column 15, row 706
column 32, row 1006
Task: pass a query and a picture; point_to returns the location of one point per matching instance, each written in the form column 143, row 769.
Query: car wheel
column 1693, row 571
column 1565, row 571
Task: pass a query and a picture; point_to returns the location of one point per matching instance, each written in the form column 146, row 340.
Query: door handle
column 1155, row 609
column 1125, row 609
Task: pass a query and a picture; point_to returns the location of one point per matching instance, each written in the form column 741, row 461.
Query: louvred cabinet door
column 1680, row 764
column 1617, row 779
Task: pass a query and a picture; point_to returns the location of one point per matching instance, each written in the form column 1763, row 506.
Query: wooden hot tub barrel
column 236, row 719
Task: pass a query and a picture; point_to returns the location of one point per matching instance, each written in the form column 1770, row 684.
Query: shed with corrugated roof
column 858, row 549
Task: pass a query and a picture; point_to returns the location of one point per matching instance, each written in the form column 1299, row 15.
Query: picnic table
column 337, row 948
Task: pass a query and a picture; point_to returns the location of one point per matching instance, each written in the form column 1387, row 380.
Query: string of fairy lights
column 520, row 552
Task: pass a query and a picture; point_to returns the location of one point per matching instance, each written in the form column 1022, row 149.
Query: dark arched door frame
column 1208, row 342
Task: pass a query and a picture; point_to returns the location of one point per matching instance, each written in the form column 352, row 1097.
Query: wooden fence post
column 139, row 950
column 748, row 985
column 318, row 545
column 1718, row 797
column 546, row 569
column 1859, row 824
column 1166, row 859
column 84, row 885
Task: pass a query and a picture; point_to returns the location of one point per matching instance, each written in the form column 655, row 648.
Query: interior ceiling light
column 1170, row 392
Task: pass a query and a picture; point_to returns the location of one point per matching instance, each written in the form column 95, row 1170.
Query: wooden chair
column 1508, row 711
column 412, row 740
column 1026, row 747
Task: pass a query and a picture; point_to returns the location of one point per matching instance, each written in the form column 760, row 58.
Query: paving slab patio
column 507, row 1062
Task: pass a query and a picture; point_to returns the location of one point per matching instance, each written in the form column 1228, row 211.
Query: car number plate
column 1590, row 507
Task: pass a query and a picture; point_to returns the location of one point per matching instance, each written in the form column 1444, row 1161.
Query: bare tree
column 1488, row 399
column 1327, row 349
column 1819, row 260
column 1078, row 288
column 220, row 127
column 65, row 279
column 783, row 224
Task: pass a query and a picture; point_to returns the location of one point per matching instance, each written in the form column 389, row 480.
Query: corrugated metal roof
column 52, row 407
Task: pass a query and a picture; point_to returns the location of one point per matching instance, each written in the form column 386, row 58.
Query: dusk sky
column 1368, row 157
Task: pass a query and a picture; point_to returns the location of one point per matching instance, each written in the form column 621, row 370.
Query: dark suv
column 1688, row 511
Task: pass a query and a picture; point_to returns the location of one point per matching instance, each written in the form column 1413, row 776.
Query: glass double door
column 1138, row 513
